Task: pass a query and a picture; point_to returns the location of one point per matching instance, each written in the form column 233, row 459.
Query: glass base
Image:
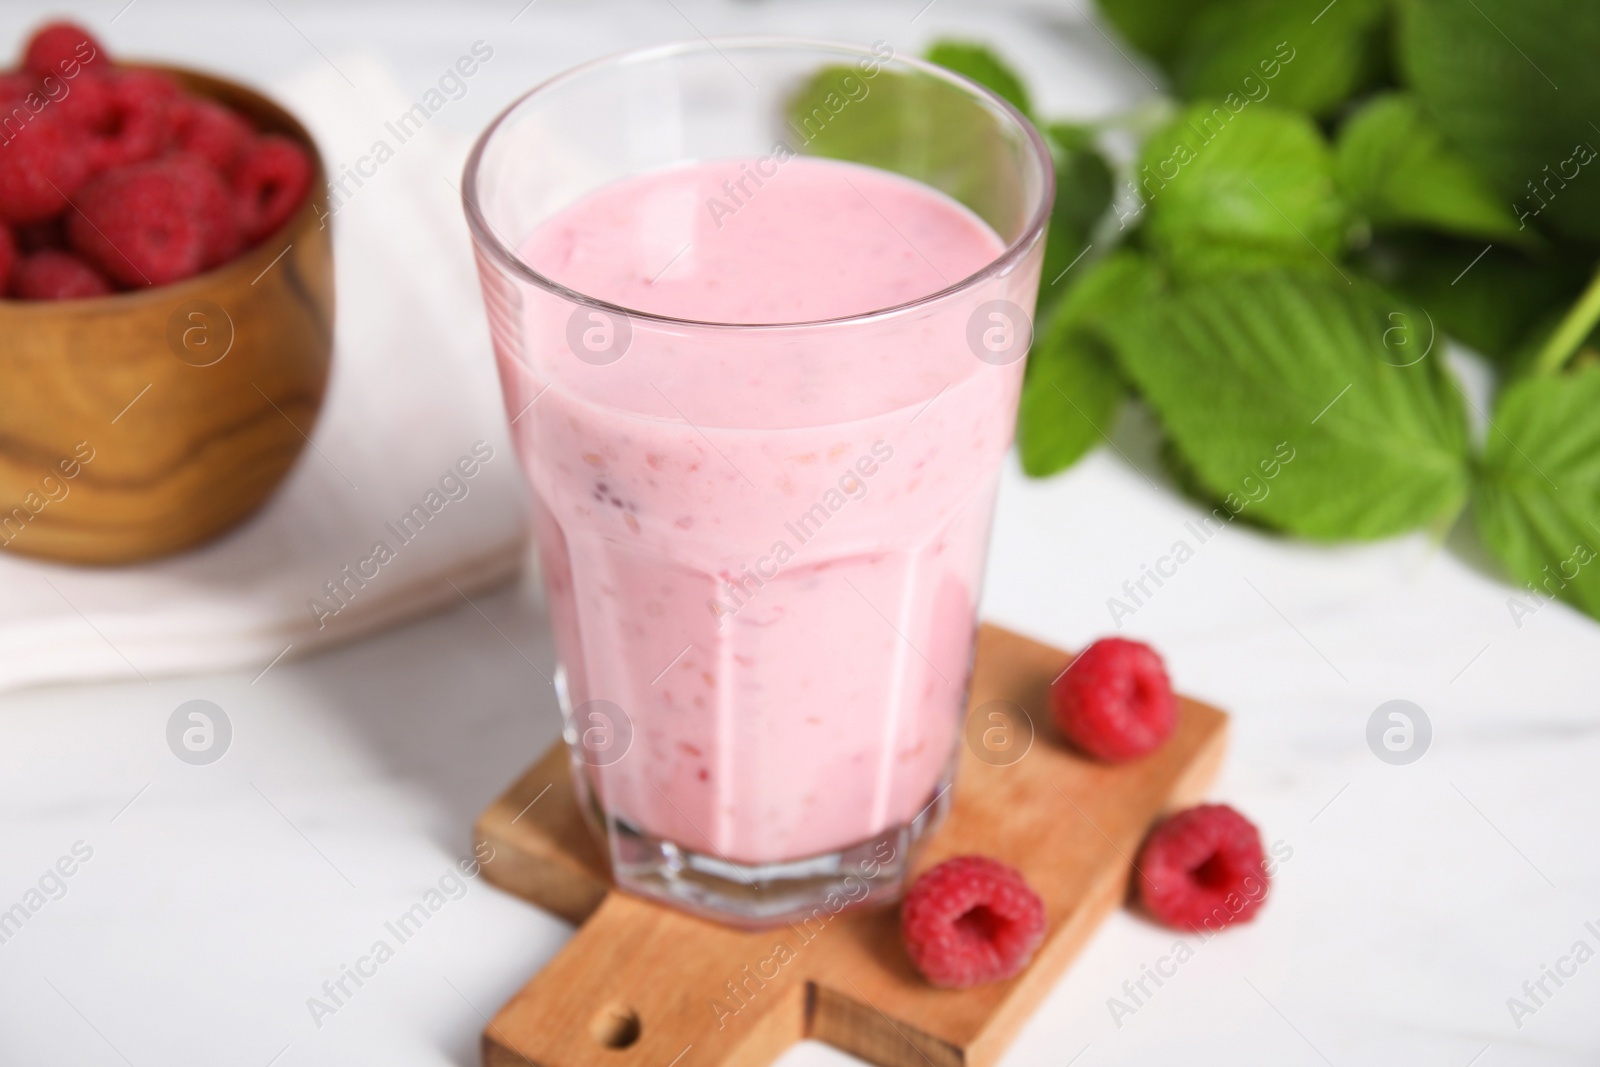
column 808, row 892
column 805, row 891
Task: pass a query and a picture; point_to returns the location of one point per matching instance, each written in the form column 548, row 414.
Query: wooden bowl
column 144, row 423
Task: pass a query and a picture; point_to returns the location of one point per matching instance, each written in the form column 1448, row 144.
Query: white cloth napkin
column 413, row 394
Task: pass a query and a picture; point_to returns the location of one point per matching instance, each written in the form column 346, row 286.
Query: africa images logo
column 199, row 732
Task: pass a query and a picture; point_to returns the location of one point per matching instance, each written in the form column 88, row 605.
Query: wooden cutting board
column 640, row 985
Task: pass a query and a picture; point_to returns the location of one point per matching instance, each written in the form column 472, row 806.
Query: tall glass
column 762, row 578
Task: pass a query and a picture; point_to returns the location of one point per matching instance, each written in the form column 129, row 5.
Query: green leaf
column 982, row 65
column 1515, row 84
column 1395, row 165
column 1236, row 189
column 1538, row 498
column 1154, row 27
column 1181, row 473
column 1243, row 370
column 923, row 127
column 1083, row 177
column 1072, row 391
column 1282, row 50
column 1083, row 193
column 1487, row 298
column 915, row 124
column 1068, row 402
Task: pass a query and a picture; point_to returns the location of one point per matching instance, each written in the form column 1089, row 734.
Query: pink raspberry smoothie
column 764, row 543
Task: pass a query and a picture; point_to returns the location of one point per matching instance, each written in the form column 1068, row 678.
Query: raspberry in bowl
column 166, row 302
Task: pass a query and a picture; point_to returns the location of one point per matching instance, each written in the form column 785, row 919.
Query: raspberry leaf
column 1490, row 300
column 1073, row 390
column 980, row 63
column 1395, row 166
column 1155, row 27
column 1271, row 49
column 1083, row 177
column 1334, row 387
column 924, row 128
column 1069, row 400
column 1231, row 190
column 1520, row 107
column 1083, row 194
column 907, row 122
column 1537, row 501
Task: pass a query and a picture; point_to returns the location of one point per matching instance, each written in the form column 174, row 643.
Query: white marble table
column 216, row 900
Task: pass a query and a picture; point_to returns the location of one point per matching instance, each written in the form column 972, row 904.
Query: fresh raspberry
column 1203, row 868
column 8, row 258
column 52, row 275
column 270, row 183
column 154, row 223
column 1114, row 701
column 87, row 101
column 214, row 204
column 41, row 166
column 15, row 86
column 971, row 920
column 60, row 48
column 143, row 107
column 214, row 133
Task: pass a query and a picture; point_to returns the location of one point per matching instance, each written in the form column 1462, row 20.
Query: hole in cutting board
column 616, row 1026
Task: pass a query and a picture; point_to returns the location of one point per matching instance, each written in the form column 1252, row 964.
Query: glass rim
column 485, row 236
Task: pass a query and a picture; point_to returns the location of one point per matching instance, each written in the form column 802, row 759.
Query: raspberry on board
column 1203, row 869
column 52, row 275
column 1114, row 701
column 62, row 49
column 270, row 182
column 971, row 920
column 153, row 223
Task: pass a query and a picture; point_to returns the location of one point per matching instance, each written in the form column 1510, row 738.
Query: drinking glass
column 762, row 578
